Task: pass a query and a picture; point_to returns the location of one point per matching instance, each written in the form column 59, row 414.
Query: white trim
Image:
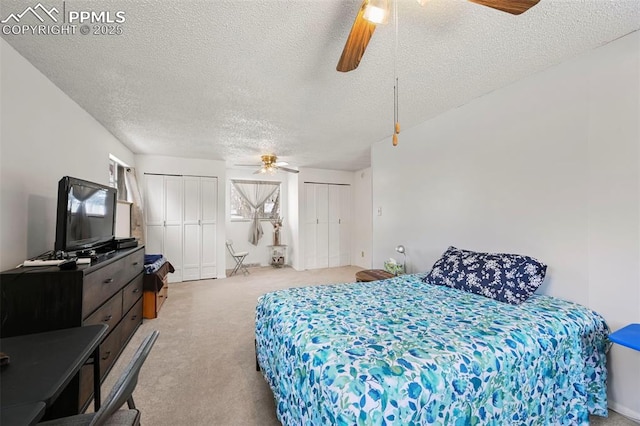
column 117, row 160
column 624, row 411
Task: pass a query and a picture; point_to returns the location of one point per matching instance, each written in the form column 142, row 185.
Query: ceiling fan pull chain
column 396, row 123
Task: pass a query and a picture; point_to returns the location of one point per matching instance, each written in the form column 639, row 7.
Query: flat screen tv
column 86, row 216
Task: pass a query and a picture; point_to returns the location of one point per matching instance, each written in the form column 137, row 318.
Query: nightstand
column 277, row 256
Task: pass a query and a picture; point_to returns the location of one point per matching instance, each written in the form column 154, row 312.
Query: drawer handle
column 135, row 263
column 134, row 317
column 106, row 355
column 137, row 290
column 161, row 295
column 107, row 318
column 108, row 281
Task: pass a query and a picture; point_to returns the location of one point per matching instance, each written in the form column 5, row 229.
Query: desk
column 41, row 366
column 628, row 336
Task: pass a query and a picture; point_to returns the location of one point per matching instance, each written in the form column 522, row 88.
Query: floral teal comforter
column 403, row 352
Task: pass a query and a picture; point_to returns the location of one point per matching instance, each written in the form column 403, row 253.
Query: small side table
column 628, row 336
column 277, row 256
column 373, row 275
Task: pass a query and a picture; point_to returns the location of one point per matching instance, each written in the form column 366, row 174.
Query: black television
column 86, row 216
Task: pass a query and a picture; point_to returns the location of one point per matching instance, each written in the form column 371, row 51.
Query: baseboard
column 624, row 411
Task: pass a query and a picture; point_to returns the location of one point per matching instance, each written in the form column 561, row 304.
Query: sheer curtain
column 137, row 217
column 255, row 193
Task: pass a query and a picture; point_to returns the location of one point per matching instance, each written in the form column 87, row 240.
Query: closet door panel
column 191, row 199
column 322, row 245
column 191, row 252
column 322, row 228
column 173, row 250
column 309, row 225
column 334, row 192
column 345, row 226
column 310, row 215
column 191, row 229
column 209, row 253
column 333, row 209
column 208, row 228
column 209, row 197
column 173, row 200
column 333, row 244
column 322, row 203
column 154, row 199
column 155, row 237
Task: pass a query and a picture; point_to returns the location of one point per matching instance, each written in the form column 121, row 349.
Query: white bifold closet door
column 200, row 211
column 181, row 221
column 327, row 213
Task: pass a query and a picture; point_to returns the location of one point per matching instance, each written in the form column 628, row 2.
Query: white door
column 334, row 192
column 173, row 247
column 322, row 229
column 344, row 223
column 310, row 225
column 154, row 213
column 191, row 229
column 209, row 214
column 181, row 215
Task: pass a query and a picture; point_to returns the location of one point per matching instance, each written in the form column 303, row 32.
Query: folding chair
column 238, row 256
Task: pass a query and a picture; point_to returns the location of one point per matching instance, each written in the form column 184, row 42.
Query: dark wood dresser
column 38, row 299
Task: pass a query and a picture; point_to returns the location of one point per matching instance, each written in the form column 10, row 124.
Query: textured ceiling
column 230, row 80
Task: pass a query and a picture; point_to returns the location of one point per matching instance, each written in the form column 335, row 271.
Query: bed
column 405, row 352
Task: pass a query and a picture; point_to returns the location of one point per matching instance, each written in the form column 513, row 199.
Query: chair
column 238, row 256
column 109, row 413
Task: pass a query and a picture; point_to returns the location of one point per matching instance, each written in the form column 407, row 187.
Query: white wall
column 194, row 167
column 238, row 231
column 362, row 244
column 44, row 136
column 548, row 167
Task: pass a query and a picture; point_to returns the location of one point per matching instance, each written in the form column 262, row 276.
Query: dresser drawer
column 131, row 293
column 101, row 284
column 131, row 321
column 109, row 313
column 133, row 265
column 109, row 351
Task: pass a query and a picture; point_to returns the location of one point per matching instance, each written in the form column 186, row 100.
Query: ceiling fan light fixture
column 422, row 2
column 377, row 11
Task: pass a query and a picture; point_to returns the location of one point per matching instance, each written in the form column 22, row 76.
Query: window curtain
column 122, row 185
column 255, row 193
column 137, row 216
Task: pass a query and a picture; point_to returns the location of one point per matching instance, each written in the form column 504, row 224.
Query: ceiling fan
column 270, row 164
column 373, row 12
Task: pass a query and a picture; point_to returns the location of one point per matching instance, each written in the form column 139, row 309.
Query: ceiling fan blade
column 515, row 7
column 281, row 163
column 357, row 42
column 286, row 169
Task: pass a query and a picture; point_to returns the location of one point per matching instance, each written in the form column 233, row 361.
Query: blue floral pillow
column 509, row 278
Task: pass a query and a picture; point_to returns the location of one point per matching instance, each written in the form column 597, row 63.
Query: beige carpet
column 201, row 370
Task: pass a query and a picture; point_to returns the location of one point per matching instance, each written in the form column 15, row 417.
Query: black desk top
column 42, row 364
column 23, row 414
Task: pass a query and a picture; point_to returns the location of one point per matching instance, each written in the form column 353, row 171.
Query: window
column 241, row 210
column 116, row 177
